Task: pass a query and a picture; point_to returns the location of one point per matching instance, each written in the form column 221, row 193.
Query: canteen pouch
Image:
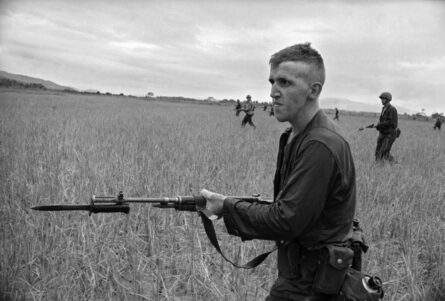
column 332, row 269
column 357, row 287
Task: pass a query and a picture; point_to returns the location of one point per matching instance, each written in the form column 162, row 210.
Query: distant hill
column 32, row 80
column 349, row 105
column 23, row 81
column 92, row 91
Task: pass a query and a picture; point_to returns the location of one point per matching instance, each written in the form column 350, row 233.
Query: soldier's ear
column 315, row 90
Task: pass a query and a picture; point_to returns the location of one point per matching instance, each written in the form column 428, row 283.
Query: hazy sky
column 221, row 48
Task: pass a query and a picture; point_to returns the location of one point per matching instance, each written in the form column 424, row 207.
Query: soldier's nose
column 274, row 95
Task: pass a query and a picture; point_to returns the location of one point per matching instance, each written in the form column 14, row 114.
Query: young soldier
column 387, row 129
column 314, row 185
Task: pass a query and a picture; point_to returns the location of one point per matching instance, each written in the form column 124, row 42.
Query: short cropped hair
column 300, row 53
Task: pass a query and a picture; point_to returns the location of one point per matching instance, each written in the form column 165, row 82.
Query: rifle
column 111, row 204
column 119, row 203
column 367, row 127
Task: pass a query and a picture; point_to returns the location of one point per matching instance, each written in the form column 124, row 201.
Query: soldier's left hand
column 215, row 201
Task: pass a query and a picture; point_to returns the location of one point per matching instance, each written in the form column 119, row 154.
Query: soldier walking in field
column 387, row 128
column 336, row 114
column 238, row 107
column 312, row 214
column 249, row 109
column 438, row 123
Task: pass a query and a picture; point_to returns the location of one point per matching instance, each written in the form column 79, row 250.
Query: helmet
column 248, row 96
column 386, row 95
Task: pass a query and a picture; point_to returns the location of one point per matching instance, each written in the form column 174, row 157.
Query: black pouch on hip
column 332, row 269
column 360, row 287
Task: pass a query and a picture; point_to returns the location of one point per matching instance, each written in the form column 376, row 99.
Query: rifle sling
column 211, row 234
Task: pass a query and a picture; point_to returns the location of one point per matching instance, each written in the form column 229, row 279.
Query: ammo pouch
column 332, row 269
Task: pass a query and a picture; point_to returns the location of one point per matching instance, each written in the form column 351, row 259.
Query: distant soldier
column 438, row 123
column 249, row 110
column 271, row 113
column 238, row 107
column 336, row 114
column 387, row 128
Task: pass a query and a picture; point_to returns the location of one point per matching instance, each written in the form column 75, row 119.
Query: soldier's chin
column 280, row 118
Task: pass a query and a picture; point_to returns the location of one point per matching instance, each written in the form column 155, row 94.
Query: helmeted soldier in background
column 249, row 110
column 387, row 127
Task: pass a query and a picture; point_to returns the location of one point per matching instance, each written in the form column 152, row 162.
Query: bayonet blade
column 62, row 207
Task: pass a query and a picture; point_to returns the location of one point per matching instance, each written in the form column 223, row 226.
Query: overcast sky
column 201, row 48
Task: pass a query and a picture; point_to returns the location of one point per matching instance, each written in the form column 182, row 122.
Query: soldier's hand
column 215, row 201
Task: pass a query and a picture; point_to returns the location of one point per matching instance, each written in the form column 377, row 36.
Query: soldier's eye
column 283, row 82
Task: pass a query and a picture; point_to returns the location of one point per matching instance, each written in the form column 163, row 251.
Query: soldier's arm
column 299, row 203
column 390, row 120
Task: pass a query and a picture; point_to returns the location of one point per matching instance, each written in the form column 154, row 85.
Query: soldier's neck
column 302, row 120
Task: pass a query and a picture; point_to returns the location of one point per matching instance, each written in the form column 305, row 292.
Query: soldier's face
column 290, row 89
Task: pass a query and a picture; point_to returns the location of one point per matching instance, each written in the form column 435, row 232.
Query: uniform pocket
column 332, row 269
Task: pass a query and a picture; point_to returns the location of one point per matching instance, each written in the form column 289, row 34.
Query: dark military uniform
column 314, row 204
column 438, row 123
column 387, row 126
column 238, row 108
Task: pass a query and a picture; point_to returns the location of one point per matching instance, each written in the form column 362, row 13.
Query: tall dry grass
column 57, row 148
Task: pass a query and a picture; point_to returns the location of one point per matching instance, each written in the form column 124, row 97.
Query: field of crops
column 63, row 148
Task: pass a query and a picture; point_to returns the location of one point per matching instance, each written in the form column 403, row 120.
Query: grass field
column 61, row 148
